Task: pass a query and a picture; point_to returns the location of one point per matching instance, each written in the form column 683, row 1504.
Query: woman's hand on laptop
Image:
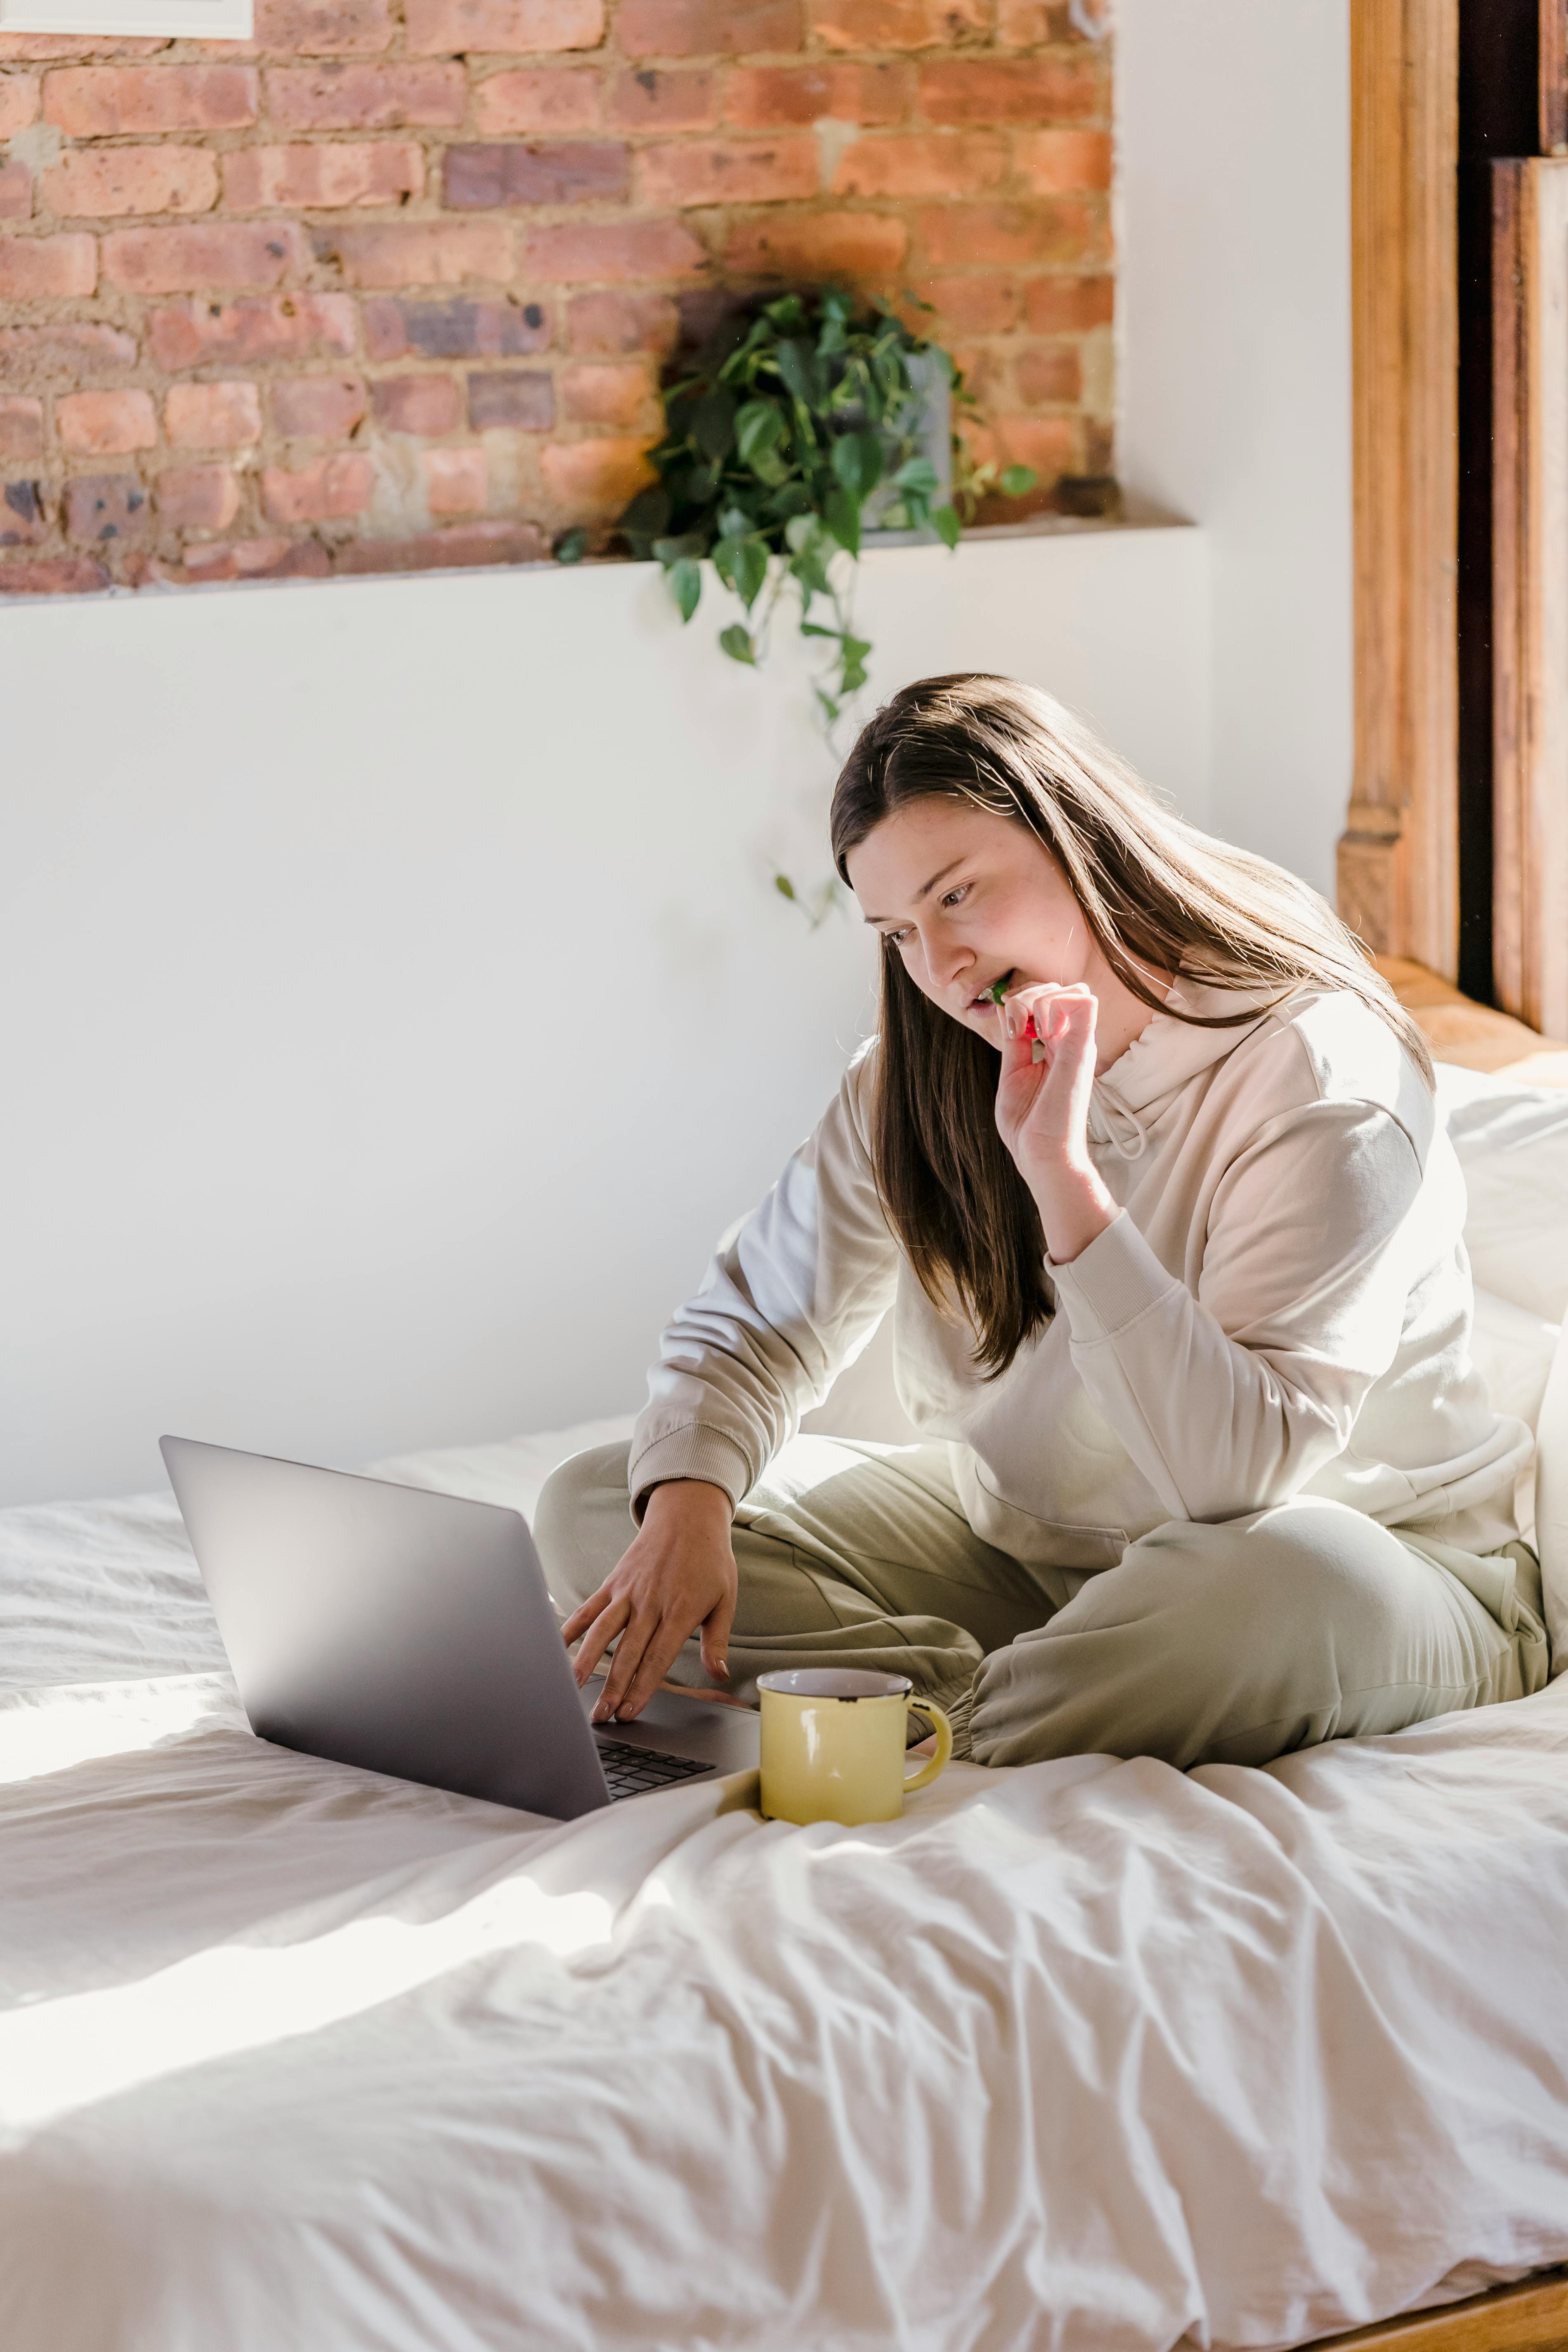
column 678, row 1576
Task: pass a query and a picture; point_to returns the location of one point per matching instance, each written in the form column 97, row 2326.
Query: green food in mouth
column 997, row 988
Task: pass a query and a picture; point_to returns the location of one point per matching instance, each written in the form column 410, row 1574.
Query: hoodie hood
column 1129, row 1095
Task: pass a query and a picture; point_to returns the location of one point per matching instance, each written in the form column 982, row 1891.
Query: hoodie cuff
column 1109, row 1285
column 693, row 1453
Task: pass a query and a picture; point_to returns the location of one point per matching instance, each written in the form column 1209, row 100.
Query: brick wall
column 392, row 287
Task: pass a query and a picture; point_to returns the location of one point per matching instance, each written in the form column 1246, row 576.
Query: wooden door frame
column 1398, row 857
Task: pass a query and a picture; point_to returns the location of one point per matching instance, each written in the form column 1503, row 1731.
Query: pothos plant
column 800, row 425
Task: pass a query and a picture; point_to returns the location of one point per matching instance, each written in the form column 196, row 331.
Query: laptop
column 412, row 1633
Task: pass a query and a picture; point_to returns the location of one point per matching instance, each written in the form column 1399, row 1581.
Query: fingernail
column 724, row 1668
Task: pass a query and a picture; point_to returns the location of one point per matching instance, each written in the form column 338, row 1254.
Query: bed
column 1090, row 2055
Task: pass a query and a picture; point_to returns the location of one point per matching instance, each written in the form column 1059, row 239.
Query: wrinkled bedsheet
column 1090, row 2055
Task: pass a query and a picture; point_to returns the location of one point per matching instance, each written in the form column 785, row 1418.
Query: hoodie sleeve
column 791, row 1297
column 1231, row 1399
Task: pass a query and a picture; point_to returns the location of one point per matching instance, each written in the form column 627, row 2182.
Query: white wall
column 396, row 1009
column 1234, row 161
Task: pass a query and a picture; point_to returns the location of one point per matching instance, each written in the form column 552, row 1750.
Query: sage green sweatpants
column 1231, row 1643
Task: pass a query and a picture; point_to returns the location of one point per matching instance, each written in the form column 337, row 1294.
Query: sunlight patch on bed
column 50, row 1730
column 58, row 2056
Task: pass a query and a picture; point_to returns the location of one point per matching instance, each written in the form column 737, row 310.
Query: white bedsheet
column 1090, row 2055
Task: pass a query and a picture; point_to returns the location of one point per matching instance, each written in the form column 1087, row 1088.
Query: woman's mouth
column 989, row 999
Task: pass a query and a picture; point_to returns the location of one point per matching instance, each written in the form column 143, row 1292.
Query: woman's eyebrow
column 923, row 892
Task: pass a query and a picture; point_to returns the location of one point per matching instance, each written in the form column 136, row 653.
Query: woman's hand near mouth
column 1042, row 1111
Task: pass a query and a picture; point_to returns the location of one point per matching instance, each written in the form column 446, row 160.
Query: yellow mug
column 833, row 1744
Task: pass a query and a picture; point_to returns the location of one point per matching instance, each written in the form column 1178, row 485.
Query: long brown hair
column 1157, row 896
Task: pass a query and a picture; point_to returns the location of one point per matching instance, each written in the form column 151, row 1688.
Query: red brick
column 521, row 398
column 259, row 559
column 197, row 334
column 609, row 252
column 1067, row 229
column 1054, row 163
column 213, row 416
column 1049, row 444
column 107, row 506
column 1031, row 24
column 622, row 322
column 645, row 99
column 899, row 23
column 460, row 546
column 323, row 29
column 181, row 261
column 590, row 479
column 454, row 480
column 21, row 427
column 555, row 99
column 320, row 408
column 1047, row 373
column 827, row 244
column 619, row 392
column 970, row 306
column 53, row 575
column 328, row 491
column 455, row 329
column 922, row 164
column 330, row 174
column 695, row 28
column 568, row 171
column 198, row 498
column 106, row 424
column 47, row 268
column 417, row 403
column 366, row 98
column 63, row 350
column 15, row 192
column 728, row 171
column 24, row 521
column 107, row 101
column 102, row 182
column 1006, row 90
column 420, row 253
column 487, row 27
column 18, row 102
column 1063, row 305
column 35, row 48
column 769, row 98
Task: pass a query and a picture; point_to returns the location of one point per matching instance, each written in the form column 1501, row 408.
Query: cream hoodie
column 1281, row 1306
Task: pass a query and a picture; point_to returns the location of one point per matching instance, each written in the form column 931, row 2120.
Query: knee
column 1307, row 1575
column 582, row 1522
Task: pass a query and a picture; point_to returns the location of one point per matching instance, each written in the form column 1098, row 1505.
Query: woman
column 1146, row 1162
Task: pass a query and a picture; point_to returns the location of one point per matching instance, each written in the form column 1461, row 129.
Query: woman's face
column 968, row 899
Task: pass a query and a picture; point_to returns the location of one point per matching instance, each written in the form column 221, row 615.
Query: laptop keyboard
column 632, row 1771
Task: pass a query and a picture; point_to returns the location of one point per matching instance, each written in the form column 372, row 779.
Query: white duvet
column 1090, row 2055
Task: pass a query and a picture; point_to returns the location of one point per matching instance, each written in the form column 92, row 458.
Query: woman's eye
column 895, row 938
column 954, row 898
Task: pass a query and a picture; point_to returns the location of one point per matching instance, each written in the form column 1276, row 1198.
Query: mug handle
column 943, row 1730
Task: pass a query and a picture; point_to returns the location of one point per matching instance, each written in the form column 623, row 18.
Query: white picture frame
column 177, row 20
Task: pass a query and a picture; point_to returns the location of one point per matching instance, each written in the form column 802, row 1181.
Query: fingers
column 646, row 1652
column 612, row 1619
column 714, row 1639
column 1043, row 1006
column 583, row 1616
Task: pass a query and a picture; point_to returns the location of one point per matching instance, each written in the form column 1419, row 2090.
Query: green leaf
column 894, row 518
column 572, row 546
column 826, row 705
column 736, row 642
column 857, row 462
column 743, row 565
column 855, row 676
column 787, row 314
column 1017, row 479
column 686, row 585
column 917, row 473
column 784, row 885
column 713, row 423
column 792, row 500
column 669, row 551
column 809, row 570
column 648, row 515
column 947, row 525
column 734, row 523
column 841, row 513
column 802, row 372
column 759, row 429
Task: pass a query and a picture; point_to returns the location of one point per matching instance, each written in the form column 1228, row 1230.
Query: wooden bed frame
column 1530, row 2318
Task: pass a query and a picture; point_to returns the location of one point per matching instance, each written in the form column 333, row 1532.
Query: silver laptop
column 412, row 1633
